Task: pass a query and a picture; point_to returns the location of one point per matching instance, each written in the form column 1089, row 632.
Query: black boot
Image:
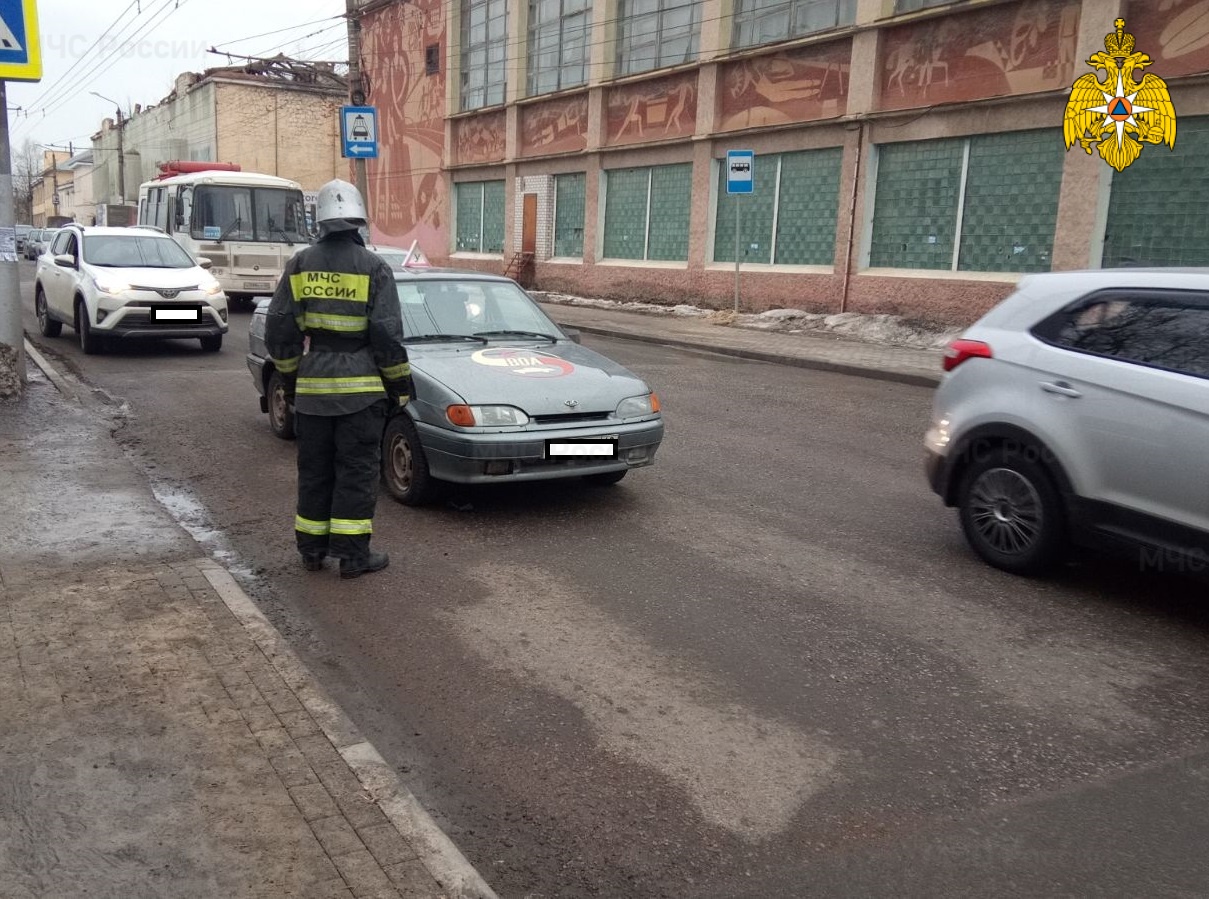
column 367, row 564
column 313, row 561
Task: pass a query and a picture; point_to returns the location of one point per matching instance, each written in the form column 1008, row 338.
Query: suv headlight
column 637, row 406
column 212, row 290
column 486, row 416
column 113, row 288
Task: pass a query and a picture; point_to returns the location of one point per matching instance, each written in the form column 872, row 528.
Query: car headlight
column 486, row 416
column 212, row 290
column 113, row 288
column 637, row 406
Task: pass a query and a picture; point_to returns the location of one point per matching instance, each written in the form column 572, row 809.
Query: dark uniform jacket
column 335, row 326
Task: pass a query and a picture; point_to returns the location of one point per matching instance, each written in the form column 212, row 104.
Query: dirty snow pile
column 891, row 330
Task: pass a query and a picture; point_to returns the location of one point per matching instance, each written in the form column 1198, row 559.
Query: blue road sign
column 359, row 131
column 20, row 50
column 740, row 171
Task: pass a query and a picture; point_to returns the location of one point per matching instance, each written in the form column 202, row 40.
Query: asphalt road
column 766, row 666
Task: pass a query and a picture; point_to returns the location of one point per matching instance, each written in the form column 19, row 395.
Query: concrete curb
column 880, row 374
column 49, row 370
column 436, row 851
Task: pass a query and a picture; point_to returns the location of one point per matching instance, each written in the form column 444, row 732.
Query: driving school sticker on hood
column 529, row 363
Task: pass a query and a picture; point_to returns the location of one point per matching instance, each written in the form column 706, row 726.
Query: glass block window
column 763, row 21
column 569, row 215
column 558, row 44
column 790, row 217
column 915, row 211
column 1158, row 211
column 647, row 212
column 479, row 209
column 1005, row 228
column 958, row 204
column 484, row 42
column 652, row 34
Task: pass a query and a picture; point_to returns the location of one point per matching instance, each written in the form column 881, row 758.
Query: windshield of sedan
column 135, row 251
column 466, row 308
column 267, row 214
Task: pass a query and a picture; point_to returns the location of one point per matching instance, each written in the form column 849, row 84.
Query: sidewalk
column 806, row 350
column 159, row 738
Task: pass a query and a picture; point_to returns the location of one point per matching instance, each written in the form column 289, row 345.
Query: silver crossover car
column 1077, row 411
column 501, row 393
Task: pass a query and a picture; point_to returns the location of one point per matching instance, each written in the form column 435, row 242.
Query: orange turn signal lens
column 654, row 402
column 462, row 416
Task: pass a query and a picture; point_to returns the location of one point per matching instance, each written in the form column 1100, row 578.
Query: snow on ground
column 892, row 330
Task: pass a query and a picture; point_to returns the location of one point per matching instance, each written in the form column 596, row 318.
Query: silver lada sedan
column 501, row 393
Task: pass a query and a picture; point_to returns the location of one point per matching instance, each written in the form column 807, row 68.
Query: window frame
column 583, row 230
column 458, row 186
column 795, row 11
column 1046, row 330
column 493, row 75
column 625, row 45
column 646, row 227
column 534, row 70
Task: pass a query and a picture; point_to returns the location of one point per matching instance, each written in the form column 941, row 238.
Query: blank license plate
column 582, row 448
column 161, row 314
column 257, row 285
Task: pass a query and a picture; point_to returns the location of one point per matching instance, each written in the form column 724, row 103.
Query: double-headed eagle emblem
column 1119, row 114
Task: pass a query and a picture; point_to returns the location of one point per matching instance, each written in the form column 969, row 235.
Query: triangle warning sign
column 8, row 40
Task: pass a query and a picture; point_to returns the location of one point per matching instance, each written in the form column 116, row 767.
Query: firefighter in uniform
column 335, row 333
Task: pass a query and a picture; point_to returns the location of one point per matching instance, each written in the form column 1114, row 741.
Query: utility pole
column 121, row 162
column 356, row 95
column 12, row 334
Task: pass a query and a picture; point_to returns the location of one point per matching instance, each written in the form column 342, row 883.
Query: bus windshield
column 267, row 214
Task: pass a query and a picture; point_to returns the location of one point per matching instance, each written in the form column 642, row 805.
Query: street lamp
column 121, row 153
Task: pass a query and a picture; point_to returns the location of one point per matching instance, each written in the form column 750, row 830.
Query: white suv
column 126, row 283
column 1077, row 411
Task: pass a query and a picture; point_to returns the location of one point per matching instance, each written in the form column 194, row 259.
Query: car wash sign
column 20, row 52
column 359, row 132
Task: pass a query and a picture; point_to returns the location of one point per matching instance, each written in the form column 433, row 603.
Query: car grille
column 166, row 292
column 570, row 418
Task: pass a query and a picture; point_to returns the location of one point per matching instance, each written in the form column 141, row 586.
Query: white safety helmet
column 340, row 200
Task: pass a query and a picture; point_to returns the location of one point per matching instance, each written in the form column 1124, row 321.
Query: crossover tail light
column 958, row 351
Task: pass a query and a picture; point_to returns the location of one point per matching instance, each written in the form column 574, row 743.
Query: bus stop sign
column 740, row 171
column 359, row 132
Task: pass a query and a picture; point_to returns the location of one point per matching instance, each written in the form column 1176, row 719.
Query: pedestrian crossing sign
column 20, row 51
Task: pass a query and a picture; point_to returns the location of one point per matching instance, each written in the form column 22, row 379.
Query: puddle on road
column 191, row 515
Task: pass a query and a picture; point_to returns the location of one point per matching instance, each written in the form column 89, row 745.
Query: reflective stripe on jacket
column 334, row 324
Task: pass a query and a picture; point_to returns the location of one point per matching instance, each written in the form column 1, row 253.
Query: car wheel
column 90, row 343
column 605, row 478
column 281, row 416
column 211, row 343
column 1011, row 514
column 47, row 325
column 404, row 466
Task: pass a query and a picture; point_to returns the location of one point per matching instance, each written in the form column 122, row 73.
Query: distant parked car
column 31, row 243
column 22, row 233
column 1077, row 411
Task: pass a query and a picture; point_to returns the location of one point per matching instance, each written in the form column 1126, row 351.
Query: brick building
column 273, row 119
column 909, row 153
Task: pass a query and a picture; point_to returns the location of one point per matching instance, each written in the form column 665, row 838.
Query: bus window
column 160, row 220
column 223, row 213
column 184, row 210
column 280, row 215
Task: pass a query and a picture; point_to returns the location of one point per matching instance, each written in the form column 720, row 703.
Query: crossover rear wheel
column 1011, row 513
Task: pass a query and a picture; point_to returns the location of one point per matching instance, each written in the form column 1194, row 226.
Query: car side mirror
column 66, row 260
column 571, row 333
column 204, row 262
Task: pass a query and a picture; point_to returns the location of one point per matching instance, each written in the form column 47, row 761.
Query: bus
column 245, row 223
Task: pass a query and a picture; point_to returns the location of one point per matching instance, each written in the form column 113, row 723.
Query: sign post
column 740, row 179
column 20, row 60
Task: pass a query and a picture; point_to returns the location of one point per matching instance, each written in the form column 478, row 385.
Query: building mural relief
column 480, row 138
column 653, row 110
column 1173, row 33
column 559, row 126
column 1022, row 48
column 405, row 185
column 805, row 84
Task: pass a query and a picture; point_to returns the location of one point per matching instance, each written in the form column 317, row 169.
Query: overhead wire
column 252, row 37
column 103, row 66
